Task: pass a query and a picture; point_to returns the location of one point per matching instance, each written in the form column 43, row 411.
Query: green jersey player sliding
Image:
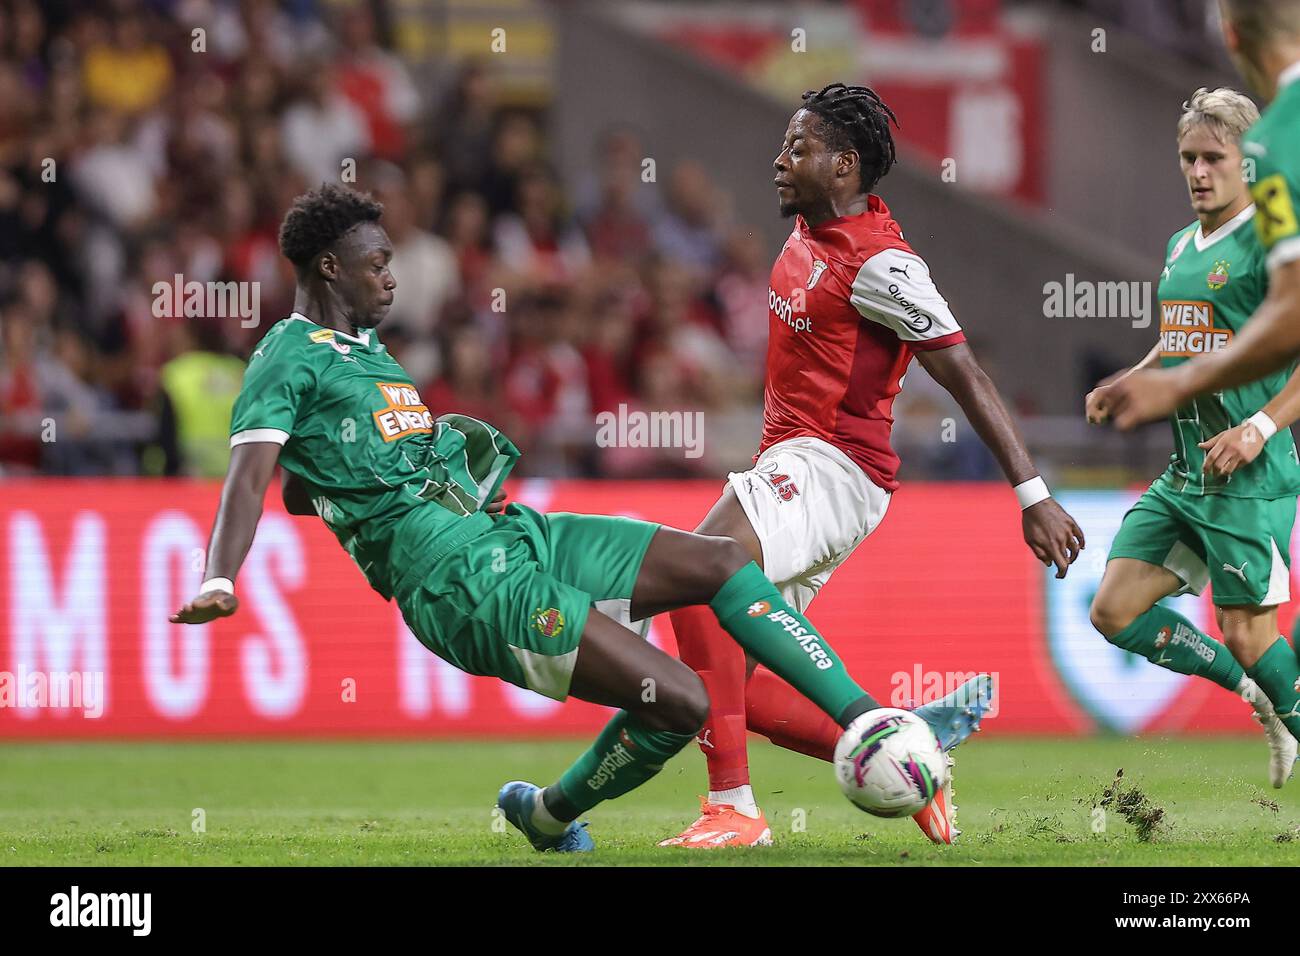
column 503, row 591
column 1223, row 510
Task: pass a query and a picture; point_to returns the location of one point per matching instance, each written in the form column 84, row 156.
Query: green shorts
column 512, row 602
column 1239, row 546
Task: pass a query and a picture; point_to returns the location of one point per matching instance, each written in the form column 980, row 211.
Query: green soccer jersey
column 1208, row 290
column 1272, row 145
column 397, row 488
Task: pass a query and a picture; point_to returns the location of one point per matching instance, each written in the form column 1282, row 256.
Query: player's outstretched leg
column 663, row 704
column 685, row 569
column 681, row 568
column 1125, row 612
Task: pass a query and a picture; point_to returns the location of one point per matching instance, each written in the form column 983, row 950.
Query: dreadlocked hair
column 855, row 117
column 318, row 218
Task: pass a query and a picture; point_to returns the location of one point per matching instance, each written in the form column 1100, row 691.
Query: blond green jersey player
column 1263, row 38
column 1211, row 519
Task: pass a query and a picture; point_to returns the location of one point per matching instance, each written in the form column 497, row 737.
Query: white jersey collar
column 1204, row 242
column 362, row 339
column 1288, row 76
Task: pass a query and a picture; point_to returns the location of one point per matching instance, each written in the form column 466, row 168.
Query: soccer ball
column 889, row 763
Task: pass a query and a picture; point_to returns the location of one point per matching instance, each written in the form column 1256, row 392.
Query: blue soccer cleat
column 957, row 716
column 516, row 802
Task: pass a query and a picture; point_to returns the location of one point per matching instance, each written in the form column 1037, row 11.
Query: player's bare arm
column 252, row 466
column 1050, row 532
column 1096, row 406
column 1270, row 341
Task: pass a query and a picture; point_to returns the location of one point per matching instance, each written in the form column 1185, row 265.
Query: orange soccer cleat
column 938, row 820
column 721, row 824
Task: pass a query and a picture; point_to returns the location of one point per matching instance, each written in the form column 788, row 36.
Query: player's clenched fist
column 1096, row 407
column 206, row 607
column 1052, row 535
column 1144, row 396
column 1231, row 449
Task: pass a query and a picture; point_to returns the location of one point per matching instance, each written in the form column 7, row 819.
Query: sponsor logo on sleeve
column 1275, row 216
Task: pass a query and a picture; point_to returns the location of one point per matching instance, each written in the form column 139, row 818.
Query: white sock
column 542, row 818
column 742, row 798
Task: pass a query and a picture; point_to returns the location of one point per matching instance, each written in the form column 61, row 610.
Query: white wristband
column 1266, row 427
column 1031, row 492
column 217, row 584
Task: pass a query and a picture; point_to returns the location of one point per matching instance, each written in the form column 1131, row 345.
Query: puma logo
column 903, row 270
column 1239, row 572
column 703, row 739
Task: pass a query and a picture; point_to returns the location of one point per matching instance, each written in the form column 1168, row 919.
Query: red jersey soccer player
column 850, row 304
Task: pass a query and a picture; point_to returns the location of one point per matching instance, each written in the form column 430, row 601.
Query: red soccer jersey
column 849, row 303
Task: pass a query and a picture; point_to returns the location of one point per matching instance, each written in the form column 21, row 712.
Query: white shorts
column 810, row 506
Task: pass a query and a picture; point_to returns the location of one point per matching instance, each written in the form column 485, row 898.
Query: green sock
column 751, row 610
column 624, row 756
column 1277, row 672
column 1167, row 638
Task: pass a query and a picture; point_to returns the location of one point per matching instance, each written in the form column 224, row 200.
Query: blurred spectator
column 467, row 233
column 115, row 174
column 546, row 382
column 322, row 127
column 376, row 82
column 200, row 386
column 125, row 69
column 516, row 149
column 676, row 329
column 20, row 392
column 471, row 381
column 424, row 266
column 688, row 230
column 463, row 127
column 741, row 294
column 539, row 243
column 615, row 214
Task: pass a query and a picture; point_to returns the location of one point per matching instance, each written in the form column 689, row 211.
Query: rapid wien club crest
column 818, row 268
column 548, row 622
column 1218, row 275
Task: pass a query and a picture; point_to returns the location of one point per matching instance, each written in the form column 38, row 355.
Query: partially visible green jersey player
column 502, row 592
column 1263, row 38
column 1222, row 512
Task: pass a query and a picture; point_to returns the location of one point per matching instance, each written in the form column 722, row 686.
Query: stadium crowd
column 129, row 157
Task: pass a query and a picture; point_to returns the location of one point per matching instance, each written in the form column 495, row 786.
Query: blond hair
column 1227, row 113
column 1258, row 21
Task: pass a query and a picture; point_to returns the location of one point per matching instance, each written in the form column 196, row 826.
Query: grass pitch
column 1023, row 802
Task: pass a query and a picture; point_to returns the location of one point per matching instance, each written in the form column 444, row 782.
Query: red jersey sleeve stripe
column 942, row 342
